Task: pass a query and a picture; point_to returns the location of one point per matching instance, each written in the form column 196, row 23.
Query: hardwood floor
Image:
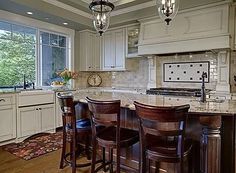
column 48, row 163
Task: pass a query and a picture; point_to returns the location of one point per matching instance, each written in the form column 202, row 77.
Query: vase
column 67, row 85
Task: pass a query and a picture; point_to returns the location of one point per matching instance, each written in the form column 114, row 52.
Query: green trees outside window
column 21, row 55
column 17, row 54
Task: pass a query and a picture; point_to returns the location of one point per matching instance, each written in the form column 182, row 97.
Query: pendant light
column 167, row 9
column 101, row 10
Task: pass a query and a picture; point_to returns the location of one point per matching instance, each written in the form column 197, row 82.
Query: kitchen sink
column 30, row 89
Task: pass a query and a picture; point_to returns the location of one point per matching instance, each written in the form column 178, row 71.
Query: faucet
column 203, row 90
column 24, row 83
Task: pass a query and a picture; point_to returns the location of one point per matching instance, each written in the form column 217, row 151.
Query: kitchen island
column 211, row 126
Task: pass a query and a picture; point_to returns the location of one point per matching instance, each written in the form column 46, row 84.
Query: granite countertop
column 210, row 107
column 8, row 91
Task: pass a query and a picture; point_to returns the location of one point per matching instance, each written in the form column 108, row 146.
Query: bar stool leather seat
column 107, row 137
column 158, row 148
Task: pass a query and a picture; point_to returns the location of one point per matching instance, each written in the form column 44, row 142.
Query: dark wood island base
column 213, row 135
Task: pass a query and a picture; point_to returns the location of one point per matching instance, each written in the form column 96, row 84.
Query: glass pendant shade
column 101, row 10
column 167, row 9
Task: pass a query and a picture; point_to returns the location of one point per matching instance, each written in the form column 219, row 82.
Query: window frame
column 39, row 60
column 45, row 27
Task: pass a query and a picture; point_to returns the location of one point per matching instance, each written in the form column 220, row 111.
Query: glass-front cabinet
column 132, row 41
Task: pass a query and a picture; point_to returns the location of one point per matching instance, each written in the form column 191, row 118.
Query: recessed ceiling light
column 65, row 23
column 29, row 12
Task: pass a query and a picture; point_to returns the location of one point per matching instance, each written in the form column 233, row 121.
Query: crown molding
column 134, row 8
column 69, row 8
column 88, row 15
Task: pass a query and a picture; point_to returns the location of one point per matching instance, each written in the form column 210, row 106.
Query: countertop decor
column 67, row 75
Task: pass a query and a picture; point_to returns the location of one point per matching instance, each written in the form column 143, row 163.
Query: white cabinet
column 132, row 36
column 114, row 50
column 46, row 114
column 27, row 121
column 58, row 114
column 35, row 119
column 7, row 117
column 90, row 56
column 36, row 113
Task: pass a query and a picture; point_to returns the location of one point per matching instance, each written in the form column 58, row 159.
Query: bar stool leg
column 73, row 156
column 111, row 160
column 157, row 165
column 63, row 152
column 118, row 159
column 94, row 153
column 87, row 148
column 104, row 159
column 149, row 165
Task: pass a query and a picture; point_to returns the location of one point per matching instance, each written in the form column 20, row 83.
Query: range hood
column 198, row 29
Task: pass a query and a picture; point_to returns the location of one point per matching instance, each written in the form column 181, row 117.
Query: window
column 53, row 56
column 17, row 54
column 21, row 55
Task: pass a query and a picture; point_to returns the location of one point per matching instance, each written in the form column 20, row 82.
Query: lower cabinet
column 47, row 117
column 7, row 122
column 35, row 119
column 58, row 115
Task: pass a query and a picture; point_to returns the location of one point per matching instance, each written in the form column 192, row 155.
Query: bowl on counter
column 56, row 87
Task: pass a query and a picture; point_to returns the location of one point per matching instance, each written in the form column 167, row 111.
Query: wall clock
column 94, row 80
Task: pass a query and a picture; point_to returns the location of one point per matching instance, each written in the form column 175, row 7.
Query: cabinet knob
column 40, row 108
column 2, row 100
column 112, row 66
column 37, row 109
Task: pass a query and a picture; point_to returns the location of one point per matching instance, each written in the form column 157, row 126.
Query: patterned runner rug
column 35, row 146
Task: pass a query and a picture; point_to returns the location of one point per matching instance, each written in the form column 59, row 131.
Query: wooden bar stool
column 162, row 135
column 74, row 131
column 112, row 136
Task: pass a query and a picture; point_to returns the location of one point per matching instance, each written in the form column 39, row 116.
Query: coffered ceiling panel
column 78, row 16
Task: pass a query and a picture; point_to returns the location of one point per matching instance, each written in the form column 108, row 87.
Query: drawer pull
column 2, row 100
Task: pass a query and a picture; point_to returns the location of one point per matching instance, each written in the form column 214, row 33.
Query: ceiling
column 78, row 16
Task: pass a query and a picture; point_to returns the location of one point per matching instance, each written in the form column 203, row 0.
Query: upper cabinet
column 90, row 54
column 201, row 28
column 113, row 56
column 132, row 36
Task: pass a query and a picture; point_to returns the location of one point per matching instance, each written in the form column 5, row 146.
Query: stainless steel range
column 175, row 91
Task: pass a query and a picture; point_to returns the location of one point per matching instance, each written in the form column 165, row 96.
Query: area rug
column 35, row 146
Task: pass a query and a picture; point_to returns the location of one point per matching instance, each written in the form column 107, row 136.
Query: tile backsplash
column 196, row 60
column 136, row 75
column 186, row 71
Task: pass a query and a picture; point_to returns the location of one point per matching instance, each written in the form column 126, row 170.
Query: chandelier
column 167, row 9
column 101, row 10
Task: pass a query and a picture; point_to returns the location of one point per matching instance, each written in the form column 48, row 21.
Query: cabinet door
column 97, row 53
column 27, row 121
column 90, row 52
column 108, row 51
column 47, row 117
column 58, row 115
column 119, row 41
column 7, row 123
column 82, row 52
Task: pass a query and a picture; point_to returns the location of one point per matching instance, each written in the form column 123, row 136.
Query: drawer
column 35, row 99
column 7, row 100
